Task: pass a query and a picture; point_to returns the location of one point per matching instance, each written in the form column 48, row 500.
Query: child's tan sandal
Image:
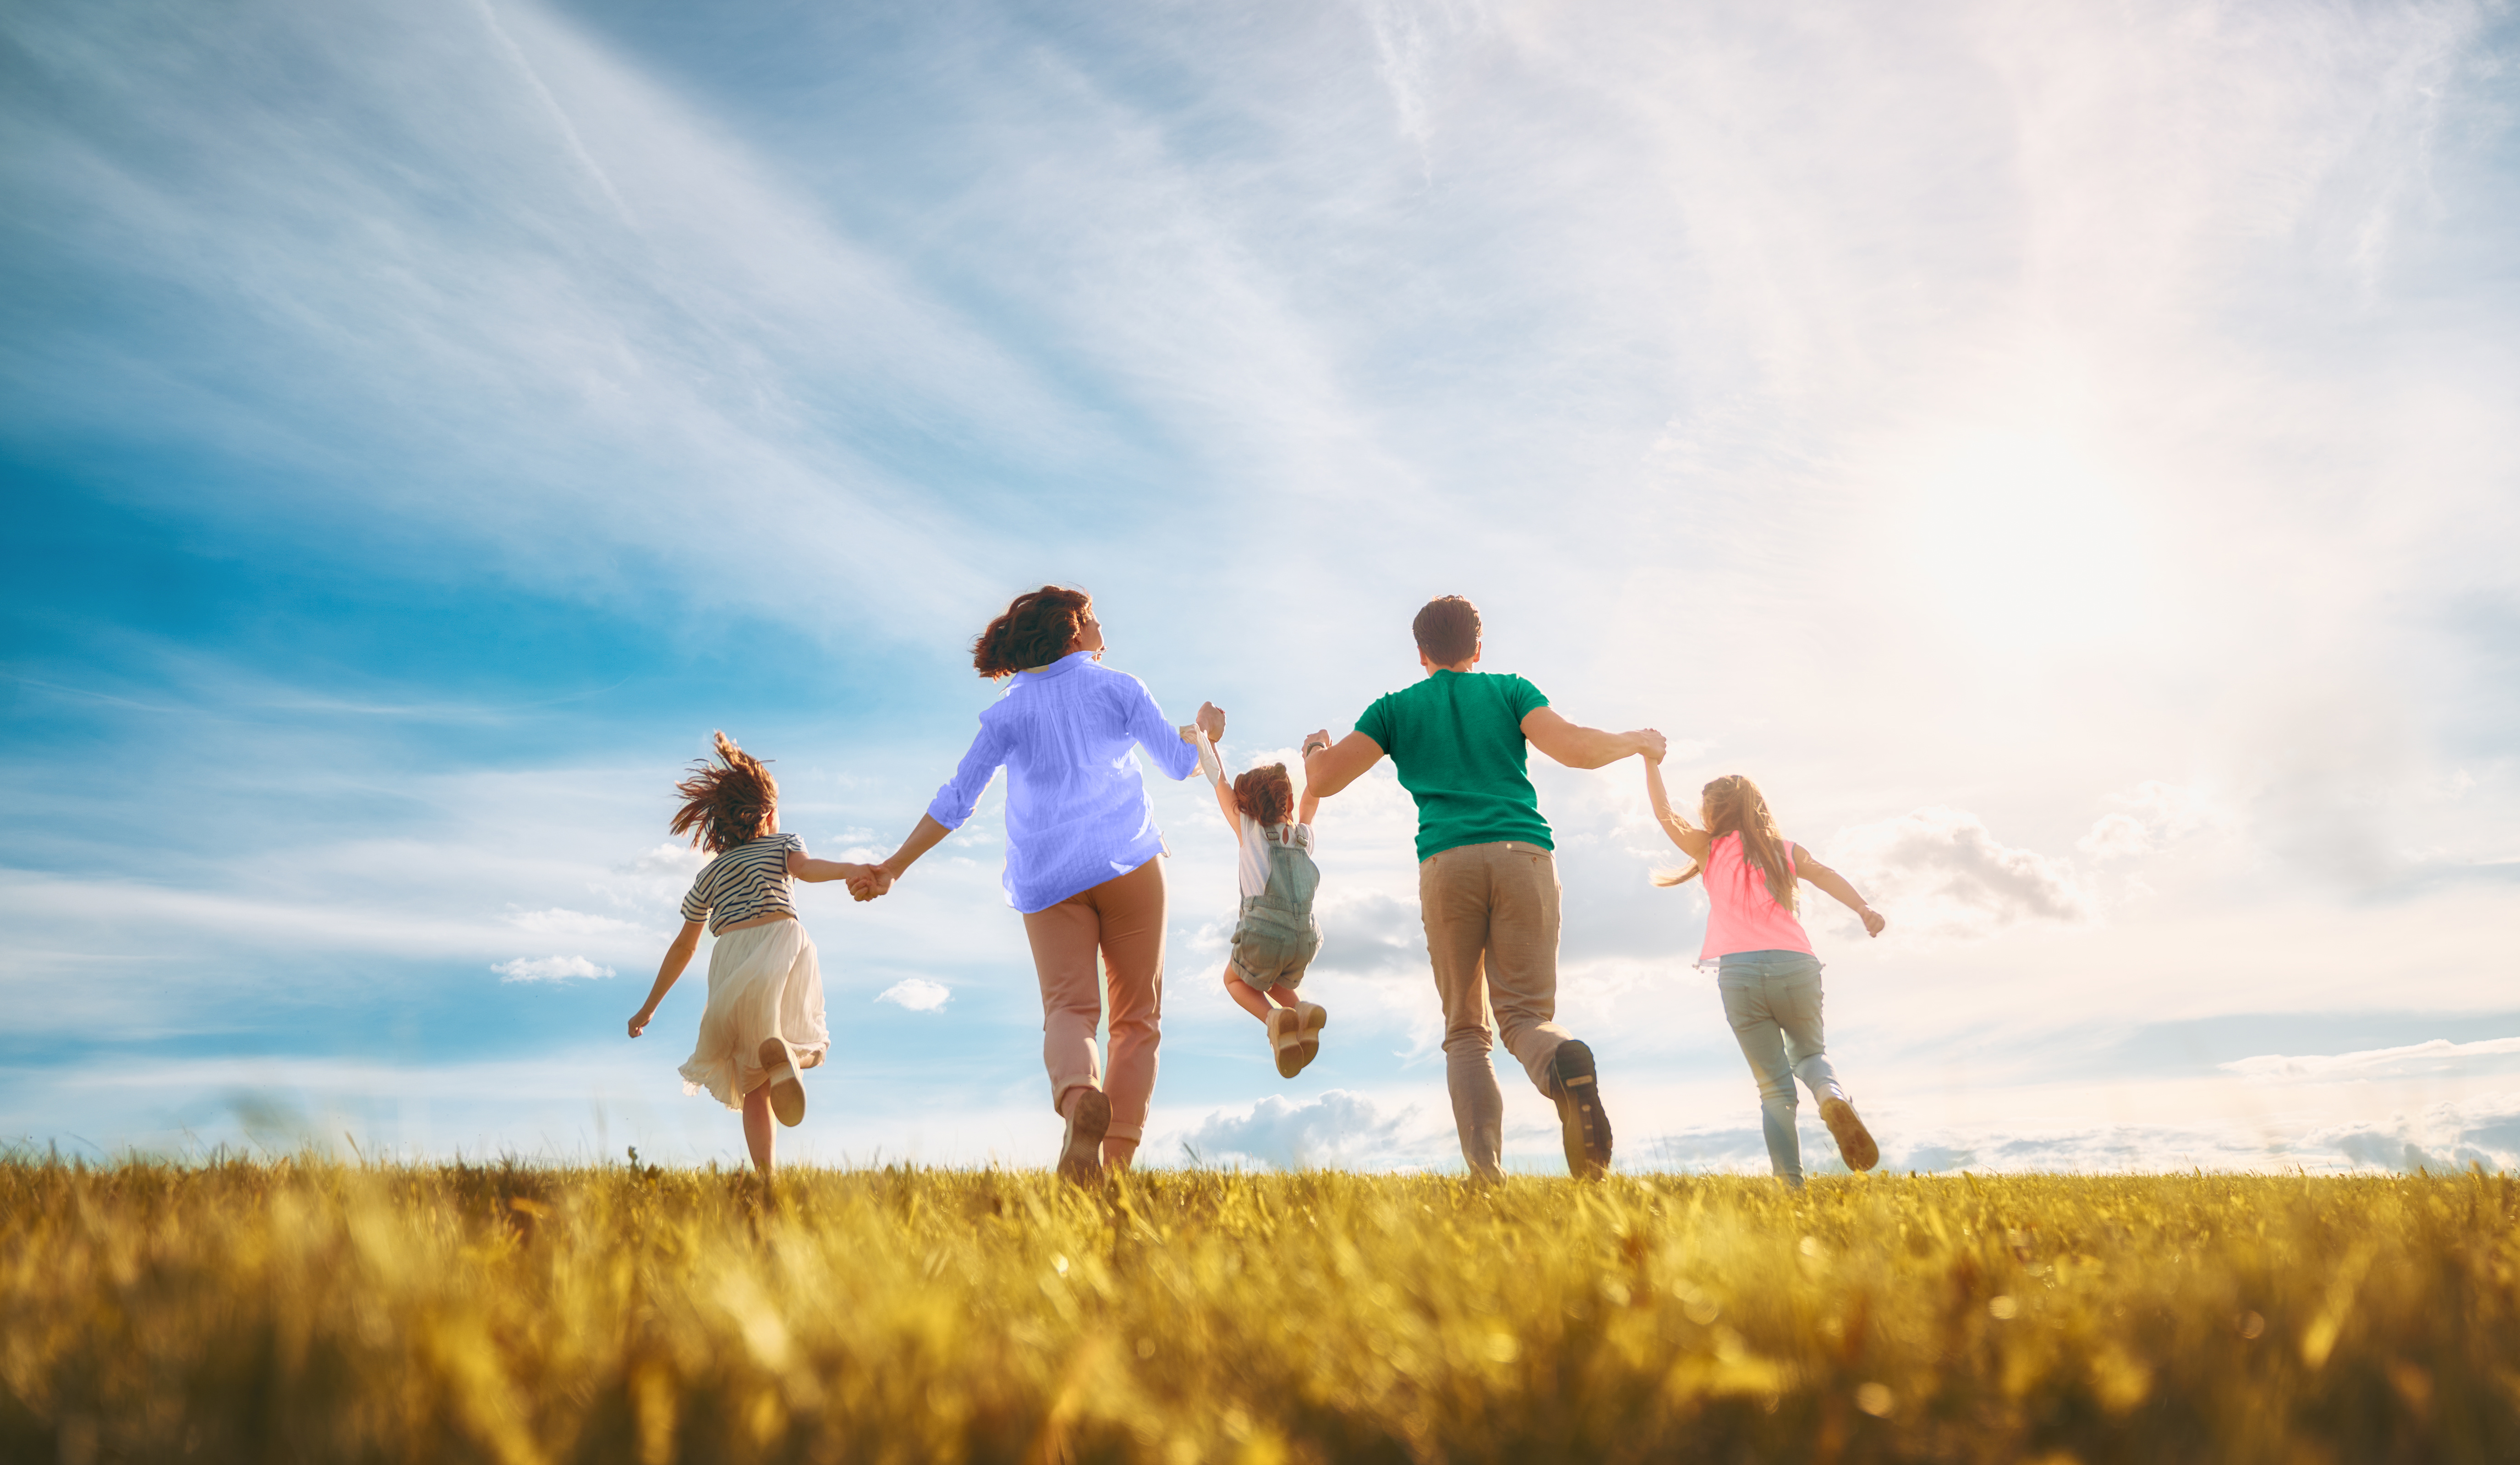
column 1287, row 1040
column 786, row 1086
column 1313, row 1017
column 1854, row 1141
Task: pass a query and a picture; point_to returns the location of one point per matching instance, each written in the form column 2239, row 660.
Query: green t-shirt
column 1457, row 741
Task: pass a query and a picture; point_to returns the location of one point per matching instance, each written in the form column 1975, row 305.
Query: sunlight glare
column 2026, row 543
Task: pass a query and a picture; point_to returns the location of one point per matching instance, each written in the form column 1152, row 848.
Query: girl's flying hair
column 1035, row 631
column 1266, row 795
column 1732, row 803
column 727, row 802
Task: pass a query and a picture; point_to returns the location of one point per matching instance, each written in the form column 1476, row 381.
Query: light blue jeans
column 1772, row 999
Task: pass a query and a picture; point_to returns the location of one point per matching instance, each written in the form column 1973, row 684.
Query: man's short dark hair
column 1448, row 630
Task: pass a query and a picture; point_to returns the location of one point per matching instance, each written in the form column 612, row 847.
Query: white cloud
column 560, row 922
column 2116, row 836
column 1940, row 873
column 2440, row 1056
column 918, row 993
column 2448, row 1136
column 2149, row 817
column 670, row 858
column 1340, row 1127
column 1365, row 930
column 2168, row 810
column 549, row 969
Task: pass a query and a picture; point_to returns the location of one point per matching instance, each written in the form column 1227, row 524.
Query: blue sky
column 2065, row 456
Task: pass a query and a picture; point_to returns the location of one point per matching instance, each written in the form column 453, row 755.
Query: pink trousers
column 1122, row 920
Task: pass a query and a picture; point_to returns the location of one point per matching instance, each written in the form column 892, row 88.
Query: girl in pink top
column 1765, row 968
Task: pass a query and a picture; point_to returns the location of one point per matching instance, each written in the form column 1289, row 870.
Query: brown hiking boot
column 1854, row 1141
column 1585, row 1124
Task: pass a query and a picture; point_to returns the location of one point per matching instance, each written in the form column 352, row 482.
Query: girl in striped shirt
column 764, row 1019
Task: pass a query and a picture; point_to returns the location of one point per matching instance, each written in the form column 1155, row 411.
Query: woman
column 1081, row 854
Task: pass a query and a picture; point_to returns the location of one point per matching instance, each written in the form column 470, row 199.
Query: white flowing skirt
column 763, row 982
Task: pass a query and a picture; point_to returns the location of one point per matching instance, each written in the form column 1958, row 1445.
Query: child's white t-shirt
column 1253, row 865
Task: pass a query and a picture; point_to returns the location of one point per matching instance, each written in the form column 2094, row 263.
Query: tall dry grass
column 318, row 1312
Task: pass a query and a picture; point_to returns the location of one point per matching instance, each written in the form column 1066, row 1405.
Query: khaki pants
column 1491, row 913
column 1123, row 921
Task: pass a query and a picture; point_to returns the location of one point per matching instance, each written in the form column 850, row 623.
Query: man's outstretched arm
column 1328, row 770
column 1579, row 746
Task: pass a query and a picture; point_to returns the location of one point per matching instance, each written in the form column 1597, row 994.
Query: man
column 1487, row 877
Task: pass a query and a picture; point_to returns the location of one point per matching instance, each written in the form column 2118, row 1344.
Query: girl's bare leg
column 1245, row 996
column 1284, row 996
column 760, row 1133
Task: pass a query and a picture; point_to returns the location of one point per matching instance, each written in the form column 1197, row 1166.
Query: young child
column 1276, row 937
column 1765, row 972
column 764, row 1019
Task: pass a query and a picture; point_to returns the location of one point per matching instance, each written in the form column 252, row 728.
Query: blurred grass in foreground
column 320, row 1312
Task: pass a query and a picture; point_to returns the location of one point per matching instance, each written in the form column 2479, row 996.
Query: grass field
column 318, row 1312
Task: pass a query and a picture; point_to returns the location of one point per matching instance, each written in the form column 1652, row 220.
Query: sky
column 2065, row 453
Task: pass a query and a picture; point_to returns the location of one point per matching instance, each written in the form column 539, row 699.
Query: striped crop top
column 744, row 883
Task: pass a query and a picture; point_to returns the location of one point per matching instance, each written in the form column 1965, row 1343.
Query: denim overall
column 1277, row 937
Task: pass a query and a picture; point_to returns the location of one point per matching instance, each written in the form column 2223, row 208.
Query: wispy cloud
column 1950, row 879
column 2481, row 1132
column 1337, row 1129
column 549, row 969
column 557, row 921
column 2440, row 1056
column 918, row 993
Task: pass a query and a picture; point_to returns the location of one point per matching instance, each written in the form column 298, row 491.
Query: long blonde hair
column 1733, row 804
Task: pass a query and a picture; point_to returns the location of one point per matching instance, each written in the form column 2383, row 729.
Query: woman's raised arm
column 1170, row 745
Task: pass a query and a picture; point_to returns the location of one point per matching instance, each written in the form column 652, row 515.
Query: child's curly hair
column 727, row 802
column 1267, row 794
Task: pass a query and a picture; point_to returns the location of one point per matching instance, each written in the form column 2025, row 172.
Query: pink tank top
column 1741, row 914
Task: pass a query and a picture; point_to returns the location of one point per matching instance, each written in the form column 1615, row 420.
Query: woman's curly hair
column 1266, row 795
column 726, row 803
column 1038, row 629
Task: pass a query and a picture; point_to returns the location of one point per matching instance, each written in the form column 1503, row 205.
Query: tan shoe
column 786, row 1089
column 1287, row 1040
column 1315, row 1017
column 1854, row 1141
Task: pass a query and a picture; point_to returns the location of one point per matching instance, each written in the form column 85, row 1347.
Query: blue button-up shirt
column 1077, row 808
